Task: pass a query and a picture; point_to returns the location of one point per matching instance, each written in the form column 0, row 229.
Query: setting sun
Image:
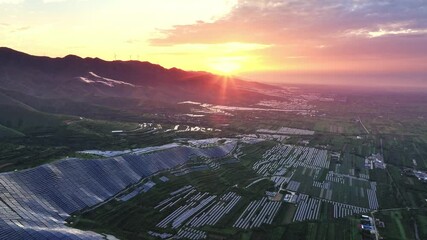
column 226, row 65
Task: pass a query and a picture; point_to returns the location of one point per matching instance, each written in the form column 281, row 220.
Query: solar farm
column 257, row 213
column 302, row 183
column 196, row 210
column 309, row 174
column 35, row 203
column 306, row 177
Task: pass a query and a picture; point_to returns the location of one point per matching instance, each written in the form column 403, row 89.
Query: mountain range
column 92, row 87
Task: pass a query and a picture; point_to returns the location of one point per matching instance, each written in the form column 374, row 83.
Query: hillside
column 126, row 85
column 8, row 132
column 17, row 116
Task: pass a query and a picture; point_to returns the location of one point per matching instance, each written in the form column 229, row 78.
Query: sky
column 355, row 42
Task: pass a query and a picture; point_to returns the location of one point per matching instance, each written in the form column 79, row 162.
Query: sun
column 225, row 66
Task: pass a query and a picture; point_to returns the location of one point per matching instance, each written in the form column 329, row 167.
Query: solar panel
column 34, row 203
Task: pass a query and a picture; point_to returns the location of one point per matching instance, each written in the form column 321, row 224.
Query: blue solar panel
column 37, row 201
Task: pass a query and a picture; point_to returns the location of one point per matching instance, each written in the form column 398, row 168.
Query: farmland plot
column 308, row 173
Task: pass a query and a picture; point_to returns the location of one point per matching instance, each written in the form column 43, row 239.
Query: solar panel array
column 34, row 203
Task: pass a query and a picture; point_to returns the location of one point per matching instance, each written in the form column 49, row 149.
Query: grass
column 23, row 118
column 337, row 126
column 398, row 224
column 421, row 220
column 46, row 144
column 254, row 152
column 286, row 213
column 6, row 132
column 336, row 229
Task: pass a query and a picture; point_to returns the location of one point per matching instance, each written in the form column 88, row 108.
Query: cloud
column 402, row 29
column 11, row 1
column 360, row 32
column 59, row 1
column 274, row 21
column 53, row 1
column 44, row 1
column 20, row 29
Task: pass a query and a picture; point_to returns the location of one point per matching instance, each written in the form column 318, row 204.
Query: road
column 256, row 181
column 363, row 125
column 377, row 235
column 417, row 237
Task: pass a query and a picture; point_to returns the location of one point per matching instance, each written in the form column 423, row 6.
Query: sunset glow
column 213, row 119
column 294, row 39
column 226, row 65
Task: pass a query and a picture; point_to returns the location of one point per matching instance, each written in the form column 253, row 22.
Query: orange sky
column 265, row 40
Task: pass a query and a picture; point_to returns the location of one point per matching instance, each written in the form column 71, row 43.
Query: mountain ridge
column 93, row 87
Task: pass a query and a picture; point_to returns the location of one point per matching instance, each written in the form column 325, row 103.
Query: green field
column 29, row 137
